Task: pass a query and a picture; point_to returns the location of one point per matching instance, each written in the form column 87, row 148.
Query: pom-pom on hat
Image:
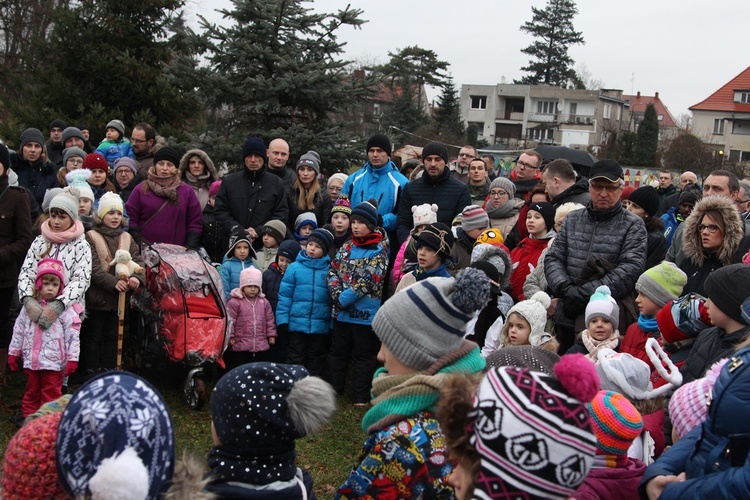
column 79, row 180
column 435, row 149
column 127, row 162
column 474, row 217
column 662, row 283
column 424, row 214
column 214, row 189
column 167, row 153
column 532, row 431
column 251, row 276
column 67, row 201
column 108, row 415
column 72, row 151
column 30, row 135
column 366, row 213
column 310, row 159
column 615, row 421
column 728, row 287
column 254, row 145
column 427, row 320
column 117, row 125
column 289, row 249
column 534, row 311
column 323, row 236
column 96, row 161
column 505, row 184
column 50, row 266
column 276, row 229
column 547, row 211
column 601, row 304
column 304, row 219
column 438, row 237
column 683, row 318
column 534, row 358
column 647, row 198
column 342, row 206
column 688, row 406
column 379, row 141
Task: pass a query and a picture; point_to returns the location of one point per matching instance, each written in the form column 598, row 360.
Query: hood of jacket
column 237, row 293
column 307, row 261
column 210, row 168
column 189, row 480
column 377, row 172
column 733, row 233
column 580, row 186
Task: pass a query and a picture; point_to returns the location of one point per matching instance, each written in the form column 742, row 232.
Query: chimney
column 359, row 74
column 638, row 94
column 656, row 95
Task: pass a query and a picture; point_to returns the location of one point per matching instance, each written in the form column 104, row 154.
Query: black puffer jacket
column 447, row 192
column 36, row 178
column 577, row 193
column 711, row 345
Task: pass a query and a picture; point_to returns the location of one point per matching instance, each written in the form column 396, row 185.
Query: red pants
column 42, row 386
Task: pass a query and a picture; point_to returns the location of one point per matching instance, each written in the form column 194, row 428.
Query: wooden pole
column 120, row 327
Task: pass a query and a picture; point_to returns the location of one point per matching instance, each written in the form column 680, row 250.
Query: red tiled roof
column 723, row 99
column 638, row 104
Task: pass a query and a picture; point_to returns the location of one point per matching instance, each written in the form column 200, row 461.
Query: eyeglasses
column 611, row 188
column 712, row 228
column 138, row 141
column 526, row 165
column 75, row 161
column 498, row 194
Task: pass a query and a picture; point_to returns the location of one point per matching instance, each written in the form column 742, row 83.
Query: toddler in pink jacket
column 253, row 325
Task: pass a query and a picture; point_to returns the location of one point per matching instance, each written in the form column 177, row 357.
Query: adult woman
column 501, row 206
column 713, row 237
column 35, row 173
column 306, row 193
column 72, row 160
column 335, row 183
column 126, row 177
column 198, row 171
column 162, row 209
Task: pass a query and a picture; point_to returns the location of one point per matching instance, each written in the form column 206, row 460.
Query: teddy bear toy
column 124, row 265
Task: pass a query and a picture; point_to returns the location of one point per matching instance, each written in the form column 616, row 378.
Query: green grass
column 328, row 455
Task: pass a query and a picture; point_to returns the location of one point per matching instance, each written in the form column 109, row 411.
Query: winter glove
column 14, row 363
column 574, row 302
column 33, row 308
column 50, row 314
column 71, row 368
column 193, row 241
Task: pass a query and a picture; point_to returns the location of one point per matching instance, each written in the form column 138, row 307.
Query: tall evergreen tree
column 448, row 114
column 647, row 140
column 552, row 27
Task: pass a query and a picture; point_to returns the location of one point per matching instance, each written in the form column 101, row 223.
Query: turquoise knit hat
column 603, row 305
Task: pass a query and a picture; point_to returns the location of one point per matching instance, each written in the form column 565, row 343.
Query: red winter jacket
column 253, row 322
column 525, row 258
column 634, row 343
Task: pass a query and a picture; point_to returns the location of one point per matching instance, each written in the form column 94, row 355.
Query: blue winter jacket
column 230, row 273
column 670, row 224
column 304, row 302
column 715, row 456
column 383, row 184
column 114, row 150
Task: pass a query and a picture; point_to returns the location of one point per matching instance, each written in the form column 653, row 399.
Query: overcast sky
column 685, row 50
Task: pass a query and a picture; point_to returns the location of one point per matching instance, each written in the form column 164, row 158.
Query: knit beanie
column 647, row 198
column 534, row 311
column 167, row 153
column 691, row 193
column 29, row 469
column 615, row 421
column 50, row 266
column 626, row 192
column 276, row 229
column 435, row 149
column 304, row 219
column 532, row 430
column 72, row 132
column 73, row 151
column 688, row 406
column 366, row 213
column 95, row 161
column 31, row 135
column 254, row 145
column 214, row 189
column 310, row 159
column 57, row 123
column 602, row 304
column 534, row 358
column 438, row 237
column 289, row 249
column 251, row 276
column 728, row 287
column 499, row 259
column 240, row 238
column 116, row 436
column 109, row 202
column 424, row 214
column 67, row 201
column 126, row 161
column 79, row 179
column 379, row 141
column 48, row 196
column 323, row 236
column 4, row 158
column 474, row 217
column 491, row 236
column 342, row 206
column 427, row 320
column 117, row 125
column 662, row 283
column 338, row 176
column 683, row 318
column 547, row 211
column 505, row 184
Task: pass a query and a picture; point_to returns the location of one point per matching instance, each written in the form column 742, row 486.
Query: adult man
column 54, row 144
column 72, row 136
column 88, row 147
column 561, row 185
column 251, row 197
column 601, row 245
column 479, row 186
column 489, row 160
column 668, row 194
column 145, row 143
column 526, row 175
column 688, row 178
column 460, row 168
column 379, row 179
column 743, row 200
column 278, row 156
column 437, row 186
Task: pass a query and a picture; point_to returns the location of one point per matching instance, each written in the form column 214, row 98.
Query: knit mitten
column 70, row 368
column 33, row 308
column 50, row 314
column 14, row 363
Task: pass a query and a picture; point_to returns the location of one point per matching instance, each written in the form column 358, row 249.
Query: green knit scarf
column 398, row 397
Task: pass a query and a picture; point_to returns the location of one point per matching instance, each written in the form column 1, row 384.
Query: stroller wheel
column 195, row 392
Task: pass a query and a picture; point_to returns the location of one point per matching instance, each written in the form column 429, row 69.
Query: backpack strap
column 102, row 250
column 124, row 242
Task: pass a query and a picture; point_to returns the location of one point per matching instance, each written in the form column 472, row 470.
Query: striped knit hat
column 688, row 406
column 474, row 217
column 616, row 423
column 342, row 205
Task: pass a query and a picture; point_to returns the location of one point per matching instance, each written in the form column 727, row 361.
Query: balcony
column 543, row 117
column 577, row 119
column 515, row 116
column 563, row 118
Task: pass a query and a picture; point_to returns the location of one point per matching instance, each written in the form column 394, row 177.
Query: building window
column 741, row 127
column 479, row 126
column 742, row 97
column 546, row 107
column 619, row 113
column 660, row 117
column 719, row 126
column 479, row 102
column 607, row 111
column 538, row 134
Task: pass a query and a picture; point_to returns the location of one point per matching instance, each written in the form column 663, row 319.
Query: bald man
column 278, row 157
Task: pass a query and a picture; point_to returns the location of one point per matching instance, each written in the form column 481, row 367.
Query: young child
column 406, row 259
column 341, row 222
column 79, row 179
column 48, row 354
column 304, row 224
column 272, row 277
column 688, row 406
column 602, row 318
column 433, row 244
column 253, row 325
column 115, row 145
column 274, row 233
column 99, row 179
column 616, row 424
column 657, row 286
column 540, row 222
column 214, row 239
column 474, row 221
column 526, row 322
column 304, row 309
column 99, row 332
column 644, row 202
column 253, row 454
column 239, row 257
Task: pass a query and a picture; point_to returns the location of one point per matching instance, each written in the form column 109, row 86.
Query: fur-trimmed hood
column 210, row 168
column 733, row 234
column 189, row 480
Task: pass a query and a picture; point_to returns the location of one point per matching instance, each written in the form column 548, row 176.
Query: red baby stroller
column 183, row 312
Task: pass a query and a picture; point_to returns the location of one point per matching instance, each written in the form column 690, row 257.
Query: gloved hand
column 14, row 363
column 193, row 241
column 574, row 302
column 50, row 314
column 70, row 368
column 33, row 308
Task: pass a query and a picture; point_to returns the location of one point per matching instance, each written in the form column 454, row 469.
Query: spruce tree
column 448, row 114
column 552, row 27
column 647, row 140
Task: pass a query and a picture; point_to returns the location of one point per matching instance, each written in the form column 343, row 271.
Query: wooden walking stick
column 120, row 327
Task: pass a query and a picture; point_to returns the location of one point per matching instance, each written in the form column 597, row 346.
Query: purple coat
column 612, row 482
column 253, row 322
column 174, row 222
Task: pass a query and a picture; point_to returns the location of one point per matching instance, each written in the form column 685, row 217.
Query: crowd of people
column 540, row 335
